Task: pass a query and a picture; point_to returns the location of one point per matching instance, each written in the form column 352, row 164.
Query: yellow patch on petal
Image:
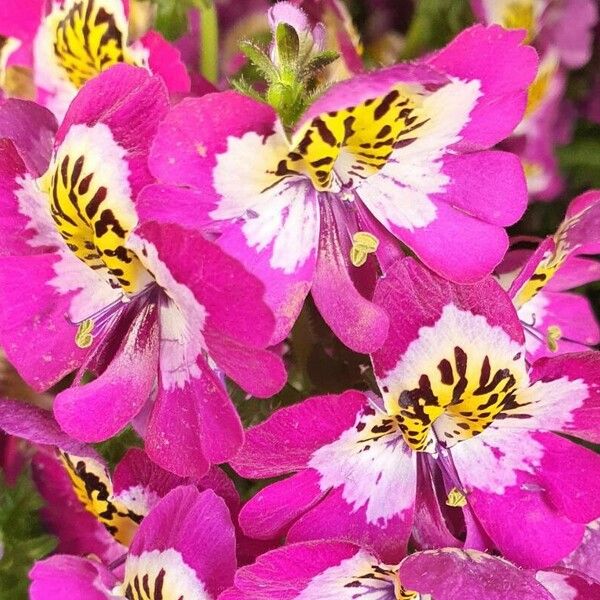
column 90, row 212
column 365, row 134
column 538, row 90
column 93, row 487
column 88, row 37
column 520, row 14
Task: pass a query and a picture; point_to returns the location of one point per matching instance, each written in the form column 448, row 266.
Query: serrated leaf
column 320, row 61
column 259, row 58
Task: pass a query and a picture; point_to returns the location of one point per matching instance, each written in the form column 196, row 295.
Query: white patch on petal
column 285, row 214
column 549, row 405
column 180, row 580
column 138, row 498
column 340, row 582
column 181, row 319
column 490, row 461
column 557, row 585
column 379, row 474
column 399, row 194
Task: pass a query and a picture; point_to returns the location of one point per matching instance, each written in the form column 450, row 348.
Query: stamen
column 84, row 337
column 456, row 498
column 363, row 244
column 553, row 335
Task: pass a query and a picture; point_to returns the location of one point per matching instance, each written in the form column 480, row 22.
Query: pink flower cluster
column 159, row 238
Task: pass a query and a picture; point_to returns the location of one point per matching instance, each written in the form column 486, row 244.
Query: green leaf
column 22, row 537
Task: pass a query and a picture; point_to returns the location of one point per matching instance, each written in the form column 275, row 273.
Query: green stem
column 209, row 40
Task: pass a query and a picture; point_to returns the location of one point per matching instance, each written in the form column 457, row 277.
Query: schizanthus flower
column 461, row 449
column 397, row 153
column 169, row 556
column 85, row 289
column 68, row 42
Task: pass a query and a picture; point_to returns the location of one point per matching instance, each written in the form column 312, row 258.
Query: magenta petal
column 583, row 421
column 524, row 527
column 21, row 19
column 285, row 442
column 284, row 573
column 456, row 245
column 186, row 207
column 231, row 296
column 285, row 292
column 198, row 526
column 165, row 60
column 334, row 518
column 473, row 54
column 31, row 128
column 258, row 372
column 487, row 185
column 34, row 331
column 98, row 410
column 360, row 324
column 193, row 426
column 204, row 124
column 272, row 510
column 136, row 470
column 456, row 575
column 38, row 426
column 64, row 577
column 131, row 103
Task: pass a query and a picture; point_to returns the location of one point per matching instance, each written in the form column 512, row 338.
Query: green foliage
column 171, row 17
column 112, row 450
column 22, row 538
column 580, row 160
column 434, row 24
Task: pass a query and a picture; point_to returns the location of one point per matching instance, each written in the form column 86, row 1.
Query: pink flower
column 88, row 286
column 397, row 154
column 341, row 571
column 461, row 450
column 68, row 42
column 561, row 26
column 185, row 548
column 556, row 320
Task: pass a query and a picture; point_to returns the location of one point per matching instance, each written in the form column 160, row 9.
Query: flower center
column 91, row 207
column 460, row 401
column 87, row 39
column 357, row 141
